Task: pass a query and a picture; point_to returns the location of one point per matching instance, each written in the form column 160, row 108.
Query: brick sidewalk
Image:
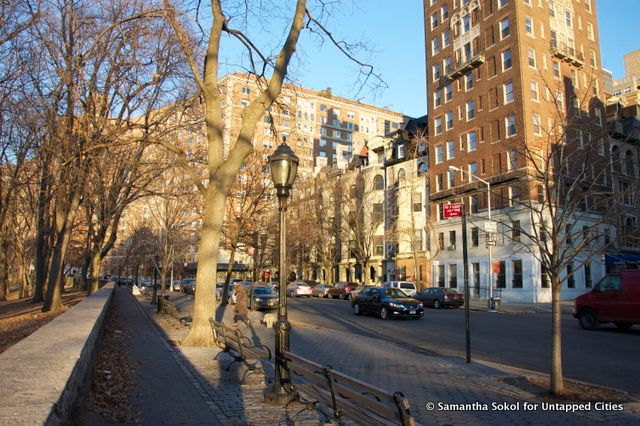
column 472, row 394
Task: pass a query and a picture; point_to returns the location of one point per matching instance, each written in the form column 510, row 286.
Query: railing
column 464, row 66
column 566, row 53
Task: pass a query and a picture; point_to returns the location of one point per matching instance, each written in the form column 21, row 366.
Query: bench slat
column 358, row 400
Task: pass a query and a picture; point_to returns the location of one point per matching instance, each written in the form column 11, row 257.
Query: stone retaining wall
column 41, row 376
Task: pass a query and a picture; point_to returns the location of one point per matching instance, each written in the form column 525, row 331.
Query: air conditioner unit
column 452, row 247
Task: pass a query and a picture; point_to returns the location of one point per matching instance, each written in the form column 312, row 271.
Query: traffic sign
column 452, row 210
column 491, row 243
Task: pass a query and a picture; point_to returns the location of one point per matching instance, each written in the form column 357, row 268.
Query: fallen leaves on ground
column 113, row 376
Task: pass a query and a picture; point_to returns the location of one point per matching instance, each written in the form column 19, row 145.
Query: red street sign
column 452, row 210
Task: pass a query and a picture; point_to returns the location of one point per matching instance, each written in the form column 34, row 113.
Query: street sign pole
column 465, row 261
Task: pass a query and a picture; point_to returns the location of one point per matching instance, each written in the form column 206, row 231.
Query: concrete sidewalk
column 441, row 390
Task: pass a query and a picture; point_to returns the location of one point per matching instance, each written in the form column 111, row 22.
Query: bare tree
column 559, row 205
column 222, row 166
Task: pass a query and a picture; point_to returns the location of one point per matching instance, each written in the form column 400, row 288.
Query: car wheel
column 436, row 304
column 623, row 325
column 384, row 313
column 356, row 309
column 589, row 319
column 342, row 296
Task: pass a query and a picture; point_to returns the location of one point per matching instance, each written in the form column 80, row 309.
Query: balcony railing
column 566, row 53
column 464, row 66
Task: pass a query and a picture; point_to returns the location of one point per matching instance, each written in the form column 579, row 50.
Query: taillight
column 446, row 296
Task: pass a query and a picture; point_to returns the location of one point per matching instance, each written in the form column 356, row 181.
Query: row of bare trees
column 81, row 107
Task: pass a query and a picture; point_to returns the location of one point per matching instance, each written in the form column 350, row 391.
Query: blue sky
column 395, row 30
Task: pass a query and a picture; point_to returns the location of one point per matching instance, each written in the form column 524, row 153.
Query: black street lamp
column 284, row 167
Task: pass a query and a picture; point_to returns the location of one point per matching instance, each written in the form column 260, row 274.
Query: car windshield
column 394, row 292
column 262, row 290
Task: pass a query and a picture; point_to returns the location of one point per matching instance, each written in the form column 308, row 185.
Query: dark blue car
column 387, row 302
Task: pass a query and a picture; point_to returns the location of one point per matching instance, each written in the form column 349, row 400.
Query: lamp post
column 490, row 241
column 284, row 167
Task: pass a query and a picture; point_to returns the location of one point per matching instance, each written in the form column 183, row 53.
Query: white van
column 406, row 286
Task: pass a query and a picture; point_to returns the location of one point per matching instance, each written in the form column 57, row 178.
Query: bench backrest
column 349, row 396
column 219, row 330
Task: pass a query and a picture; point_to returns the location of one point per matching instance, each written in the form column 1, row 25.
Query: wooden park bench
column 170, row 308
column 322, row 388
column 240, row 347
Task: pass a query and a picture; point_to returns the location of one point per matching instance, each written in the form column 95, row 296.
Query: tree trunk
column 200, row 333
column 4, row 269
column 557, row 380
column 94, row 273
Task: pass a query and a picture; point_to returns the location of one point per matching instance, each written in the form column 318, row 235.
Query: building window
column 378, row 183
column 437, row 98
column 434, row 21
column 378, row 213
column 439, row 154
column 451, row 175
column 507, row 89
column 447, row 65
column 453, row 275
column 501, row 280
column 475, row 236
column 533, row 90
column 515, row 230
column 588, row 282
column 246, row 90
column 568, row 19
column 448, row 92
column 531, row 57
column 468, row 81
column 437, row 72
column 471, row 141
column 556, row 69
column 446, row 38
column 473, row 171
column 510, row 125
column 451, row 150
column 571, row 281
column 517, row 274
column 449, row 120
column 471, row 110
column 441, row 274
column 506, row 60
column 504, row 28
column 439, row 182
column 444, row 12
column 590, row 35
column 436, row 45
column 437, row 124
column 528, row 25
column 537, row 128
column 502, row 3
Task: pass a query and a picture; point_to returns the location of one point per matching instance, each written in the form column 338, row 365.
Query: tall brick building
column 503, row 76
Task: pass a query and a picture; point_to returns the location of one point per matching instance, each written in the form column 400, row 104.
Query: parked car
column 439, row 297
column 342, row 290
column 188, row 286
column 175, row 285
column 321, row 290
column 406, row 286
column 299, row 288
column 263, row 297
column 388, row 302
column 615, row 298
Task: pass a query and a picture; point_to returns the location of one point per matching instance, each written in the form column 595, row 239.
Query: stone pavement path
column 461, row 394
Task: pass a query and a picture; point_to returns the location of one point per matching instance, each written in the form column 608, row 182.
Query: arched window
column 378, row 183
column 422, row 168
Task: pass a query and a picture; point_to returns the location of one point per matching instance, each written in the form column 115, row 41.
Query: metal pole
column 278, row 392
column 491, row 305
column 465, row 261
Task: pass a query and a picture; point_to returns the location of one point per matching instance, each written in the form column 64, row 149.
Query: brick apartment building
column 502, row 77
